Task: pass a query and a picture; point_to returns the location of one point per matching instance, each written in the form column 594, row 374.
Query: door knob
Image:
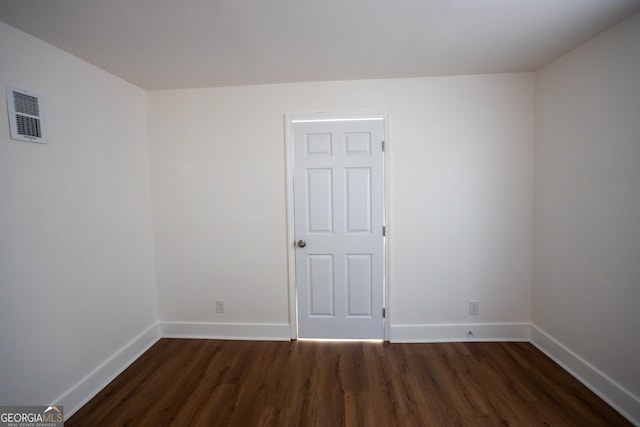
column 301, row 243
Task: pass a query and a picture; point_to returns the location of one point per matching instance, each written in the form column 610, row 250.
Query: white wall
column 461, row 177
column 587, row 217
column 77, row 273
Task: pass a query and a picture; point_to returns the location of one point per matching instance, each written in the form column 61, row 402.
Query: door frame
column 289, row 119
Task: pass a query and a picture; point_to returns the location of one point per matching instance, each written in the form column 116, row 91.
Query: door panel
column 358, row 200
column 359, row 285
column 358, row 143
column 321, row 285
column 319, row 144
column 339, row 213
column 320, row 200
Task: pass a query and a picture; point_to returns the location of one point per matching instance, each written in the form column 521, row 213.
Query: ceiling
column 171, row 44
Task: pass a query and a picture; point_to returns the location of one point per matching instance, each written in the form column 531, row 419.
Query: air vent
column 25, row 115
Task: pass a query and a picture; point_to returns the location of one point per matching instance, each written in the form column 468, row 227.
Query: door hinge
column 384, row 231
column 383, row 146
column 384, row 313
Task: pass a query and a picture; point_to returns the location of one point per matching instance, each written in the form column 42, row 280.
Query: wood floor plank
column 180, row 382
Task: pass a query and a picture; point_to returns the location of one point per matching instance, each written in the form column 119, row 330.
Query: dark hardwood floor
column 180, row 382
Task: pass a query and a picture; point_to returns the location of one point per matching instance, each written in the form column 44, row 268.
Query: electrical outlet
column 219, row 306
column 474, row 308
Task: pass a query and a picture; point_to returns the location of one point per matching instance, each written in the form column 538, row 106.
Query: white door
column 339, row 214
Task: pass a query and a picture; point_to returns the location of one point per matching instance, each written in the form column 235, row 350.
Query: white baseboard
column 608, row 390
column 457, row 332
column 74, row 398
column 227, row 331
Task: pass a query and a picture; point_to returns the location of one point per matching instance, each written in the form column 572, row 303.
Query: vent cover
column 25, row 116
